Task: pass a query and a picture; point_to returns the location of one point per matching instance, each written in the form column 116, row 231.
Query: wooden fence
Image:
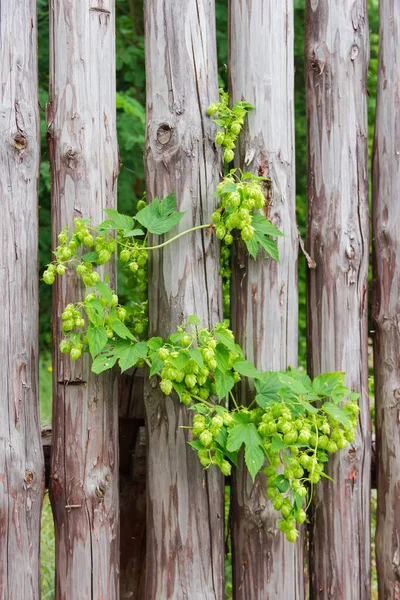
column 135, row 515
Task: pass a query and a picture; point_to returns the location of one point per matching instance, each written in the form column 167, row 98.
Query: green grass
column 47, row 551
column 45, row 392
column 47, row 567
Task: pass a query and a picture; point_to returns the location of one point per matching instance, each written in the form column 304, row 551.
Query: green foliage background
column 131, row 133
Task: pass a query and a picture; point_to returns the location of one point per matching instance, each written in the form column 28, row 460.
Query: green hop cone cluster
column 240, row 197
column 134, row 257
column 297, row 446
column 231, row 120
column 137, row 318
column 189, row 360
column 71, row 318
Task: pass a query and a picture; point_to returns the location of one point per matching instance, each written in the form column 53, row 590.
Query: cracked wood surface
column 264, row 298
column 338, row 240
column 84, row 168
column 185, row 522
column 21, row 457
column 386, row 301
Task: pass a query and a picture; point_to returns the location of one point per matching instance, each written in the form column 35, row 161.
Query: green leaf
column 90, row 257
column 277, row 444
column 103, row 362
column 228, row 188
column 222, row 357
column 128, row 358
column 160, row 217
column 104, row 291
column 154, row 343
column 122, row 221
column 121, row 329
column 298, row 501
column 95, row 311
column 193, row 320
column 252, row 246
column 246, row 368
column 196, row 444
column 141, row 349
column 224, row 383
column 293, row 384
column 156, row 365
column 224, row 337
column 180, row 388
column 197, row 357
column 106, row 225
column 309, row 407
column 180, row 361
column 134, row 233
column 282, row 483
column 325, row 384
column 97, row 337
column 262, row 236
column 337, row 413
column 270, row 247
column 267, row 385
column 264, row 227
column 247, row 434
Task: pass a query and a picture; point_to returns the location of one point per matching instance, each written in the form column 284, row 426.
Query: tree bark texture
column 21, row 457
column 338, row 240
column 84, row 167
column 264, row 296
column 185, row 549
column 386, row 301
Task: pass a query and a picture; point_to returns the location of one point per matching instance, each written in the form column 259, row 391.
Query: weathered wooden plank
column 338, row 241
column 386, row 299
column 84, row 168
column 21, row 458
column 264, row 302
column 185, row 503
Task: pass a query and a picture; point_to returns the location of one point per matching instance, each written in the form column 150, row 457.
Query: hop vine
column 290, row 424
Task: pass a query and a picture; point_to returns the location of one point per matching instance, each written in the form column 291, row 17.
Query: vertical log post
column 264, row 298
column 84, row 167
column 21, row 457
column 185, row 523
column 338, row 241
column 386, row 300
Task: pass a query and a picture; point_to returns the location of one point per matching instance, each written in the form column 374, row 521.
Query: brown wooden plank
column 264, row 298
column 21, row 458
column 338, row 240
column 185, row 503
column 386, row 300
column 84, row 168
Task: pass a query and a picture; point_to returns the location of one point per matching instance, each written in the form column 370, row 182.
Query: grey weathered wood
column 264, row 300
column 386, row 300
column 84, row 168
column 21, row 458
column 338, row 241
column 185, row 503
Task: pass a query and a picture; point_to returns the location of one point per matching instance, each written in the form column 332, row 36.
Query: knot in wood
column 350, row 252
column 28, row 477
column 164, row 133
column 20, row 141
column 354, row 52
column 70, row 154
column 101, row 489
column 396, row 394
